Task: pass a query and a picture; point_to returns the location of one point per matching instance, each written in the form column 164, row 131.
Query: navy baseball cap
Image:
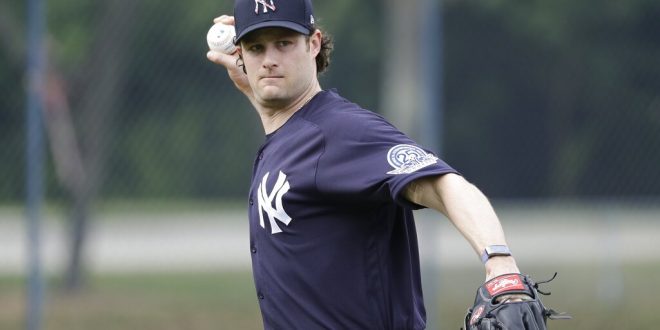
column 251, row 15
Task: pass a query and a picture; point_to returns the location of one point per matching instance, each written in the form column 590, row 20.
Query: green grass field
column 226, row 300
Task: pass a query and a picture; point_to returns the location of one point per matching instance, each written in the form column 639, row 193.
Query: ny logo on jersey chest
column 265, row 200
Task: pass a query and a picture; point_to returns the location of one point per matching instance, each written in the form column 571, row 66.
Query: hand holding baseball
column 231, row 61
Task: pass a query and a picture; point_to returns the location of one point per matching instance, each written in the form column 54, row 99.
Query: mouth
column 271, row 80
column 271, row 77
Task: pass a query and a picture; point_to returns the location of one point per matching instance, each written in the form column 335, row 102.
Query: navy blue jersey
column 333, row 241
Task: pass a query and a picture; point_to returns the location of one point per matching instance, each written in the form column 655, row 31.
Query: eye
column 256, row 48
column 284, row 43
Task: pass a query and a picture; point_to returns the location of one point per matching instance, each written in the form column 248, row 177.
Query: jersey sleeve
column 365, row 158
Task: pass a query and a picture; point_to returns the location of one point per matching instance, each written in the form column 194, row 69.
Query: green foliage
column 71, row 31
column 355, row 69
column 566, row 92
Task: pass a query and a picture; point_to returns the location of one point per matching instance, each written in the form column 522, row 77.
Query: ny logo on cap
column 265, row 5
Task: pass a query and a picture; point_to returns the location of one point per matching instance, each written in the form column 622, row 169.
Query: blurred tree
column 97, row 104
column 81, row 171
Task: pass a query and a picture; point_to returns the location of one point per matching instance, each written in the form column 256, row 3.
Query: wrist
column 499, row 265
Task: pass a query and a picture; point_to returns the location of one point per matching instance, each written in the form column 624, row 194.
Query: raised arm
column 232, row 63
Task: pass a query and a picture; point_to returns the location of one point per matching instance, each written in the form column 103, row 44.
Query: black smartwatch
column 494, row 251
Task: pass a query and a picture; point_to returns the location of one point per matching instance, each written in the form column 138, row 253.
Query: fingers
column 509, row 298
column 224, row 19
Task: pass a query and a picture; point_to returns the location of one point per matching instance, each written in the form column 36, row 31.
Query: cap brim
column 283, row 24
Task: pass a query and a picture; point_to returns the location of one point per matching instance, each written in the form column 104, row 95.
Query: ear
column 315, row 41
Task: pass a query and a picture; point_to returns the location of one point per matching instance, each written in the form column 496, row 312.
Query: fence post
column 34, row 160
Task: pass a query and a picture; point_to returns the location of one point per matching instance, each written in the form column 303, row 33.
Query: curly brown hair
column 323, row 58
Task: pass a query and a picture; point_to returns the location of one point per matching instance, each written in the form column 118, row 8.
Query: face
column 280, row 64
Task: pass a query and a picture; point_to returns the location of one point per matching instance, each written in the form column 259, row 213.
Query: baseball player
column 332, row 235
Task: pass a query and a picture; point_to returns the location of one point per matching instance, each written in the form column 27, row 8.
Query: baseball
column 221, row 38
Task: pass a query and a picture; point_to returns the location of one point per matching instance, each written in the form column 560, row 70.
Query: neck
column 272, row 118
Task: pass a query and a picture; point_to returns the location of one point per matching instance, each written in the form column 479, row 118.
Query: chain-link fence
column 541, row 101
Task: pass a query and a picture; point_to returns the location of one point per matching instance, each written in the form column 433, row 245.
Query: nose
column 270, row 58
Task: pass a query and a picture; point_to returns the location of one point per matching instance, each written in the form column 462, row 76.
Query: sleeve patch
column 406, row 159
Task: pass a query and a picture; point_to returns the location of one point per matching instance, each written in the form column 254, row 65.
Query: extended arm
column 468, row 210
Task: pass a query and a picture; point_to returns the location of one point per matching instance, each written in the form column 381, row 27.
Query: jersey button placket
column 260, row 156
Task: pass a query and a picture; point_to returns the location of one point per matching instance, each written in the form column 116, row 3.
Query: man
column 332, row 234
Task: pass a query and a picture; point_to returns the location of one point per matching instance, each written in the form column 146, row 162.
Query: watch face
column 498, row 250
